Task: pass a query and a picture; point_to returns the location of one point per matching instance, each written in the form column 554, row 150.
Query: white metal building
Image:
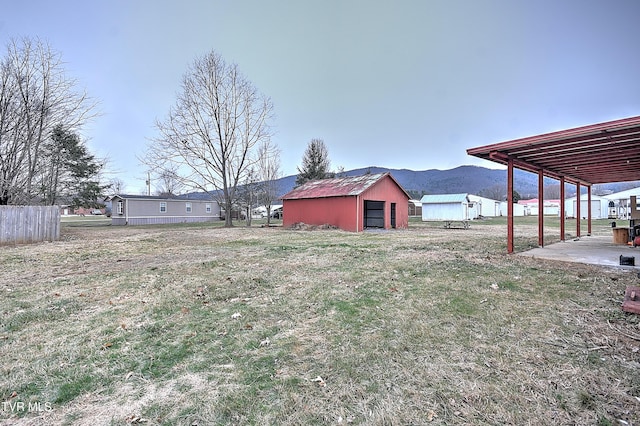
column 518, row 209
column 448, row 207
column 599, row 206
column 486, row 206
column 621, row 203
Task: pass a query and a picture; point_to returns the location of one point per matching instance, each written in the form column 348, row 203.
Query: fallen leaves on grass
column 200, row 292
column 134, row 420
column 320, row 381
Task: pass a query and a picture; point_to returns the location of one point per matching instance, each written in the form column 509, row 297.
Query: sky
column 400, row 84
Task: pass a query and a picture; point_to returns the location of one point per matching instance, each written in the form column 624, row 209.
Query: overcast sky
column 399, row 84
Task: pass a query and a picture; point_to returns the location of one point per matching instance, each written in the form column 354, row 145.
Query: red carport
column 598, row 153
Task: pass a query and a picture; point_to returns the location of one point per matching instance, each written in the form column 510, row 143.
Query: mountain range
column 463, row 179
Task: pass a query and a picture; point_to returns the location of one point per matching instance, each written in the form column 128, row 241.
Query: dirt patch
column 301, row 226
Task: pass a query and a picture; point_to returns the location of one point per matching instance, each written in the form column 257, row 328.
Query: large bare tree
column 210, row 133
column 35, row 96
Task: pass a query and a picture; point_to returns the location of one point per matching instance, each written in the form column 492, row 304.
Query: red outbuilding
column 350, row 203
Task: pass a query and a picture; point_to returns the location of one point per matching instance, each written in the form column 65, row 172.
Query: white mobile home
column 448, row 207
column 152, row 210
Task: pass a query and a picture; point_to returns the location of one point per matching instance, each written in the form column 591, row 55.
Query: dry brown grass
column 205, row 325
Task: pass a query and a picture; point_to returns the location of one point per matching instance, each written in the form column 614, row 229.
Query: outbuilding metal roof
column 444, row 198
column 337, row 187
column 598, row 153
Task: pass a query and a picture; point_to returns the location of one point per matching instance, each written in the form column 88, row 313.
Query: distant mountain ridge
column 461, row 179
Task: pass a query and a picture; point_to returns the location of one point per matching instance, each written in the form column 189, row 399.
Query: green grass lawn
column 198, row 324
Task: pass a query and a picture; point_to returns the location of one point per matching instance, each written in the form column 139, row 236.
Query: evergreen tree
column 315, row 163
column 71, row 171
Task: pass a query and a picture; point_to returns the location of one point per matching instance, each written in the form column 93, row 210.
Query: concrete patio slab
column 592, row 250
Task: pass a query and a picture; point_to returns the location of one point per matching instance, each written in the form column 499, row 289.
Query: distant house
column 66, row 210
column 350, row 203
column 448, row 207
column 151, row 210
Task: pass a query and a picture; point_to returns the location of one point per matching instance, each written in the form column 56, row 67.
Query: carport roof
column 597, row 153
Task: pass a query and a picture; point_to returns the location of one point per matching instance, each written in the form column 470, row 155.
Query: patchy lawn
column 201, row 325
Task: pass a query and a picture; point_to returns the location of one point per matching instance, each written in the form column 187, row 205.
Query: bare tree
column 247, row 193
column 268, row 169
column 552, row 191
column 495, row 192
column 35, row 96
column 116, row 185
column 170, row 183
column 218, row 119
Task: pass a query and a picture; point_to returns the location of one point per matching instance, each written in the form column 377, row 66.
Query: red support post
column 510, row 205
column 577, row 212
column 540, row 208
column 589, row 210
column 562, row 209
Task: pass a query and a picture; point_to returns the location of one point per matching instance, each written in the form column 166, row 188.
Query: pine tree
column 70, row 171
column 315, row 163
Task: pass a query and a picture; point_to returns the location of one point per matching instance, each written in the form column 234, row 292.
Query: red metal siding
column 336, row 211
column 348, row 212
column 388, row 191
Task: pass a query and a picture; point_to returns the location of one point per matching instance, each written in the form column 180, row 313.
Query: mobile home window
column 188, row 205
column 207, row 208
column 120, row 207
column 163, row 207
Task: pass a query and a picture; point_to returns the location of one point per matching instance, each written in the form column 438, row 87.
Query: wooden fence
column 29, row 224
